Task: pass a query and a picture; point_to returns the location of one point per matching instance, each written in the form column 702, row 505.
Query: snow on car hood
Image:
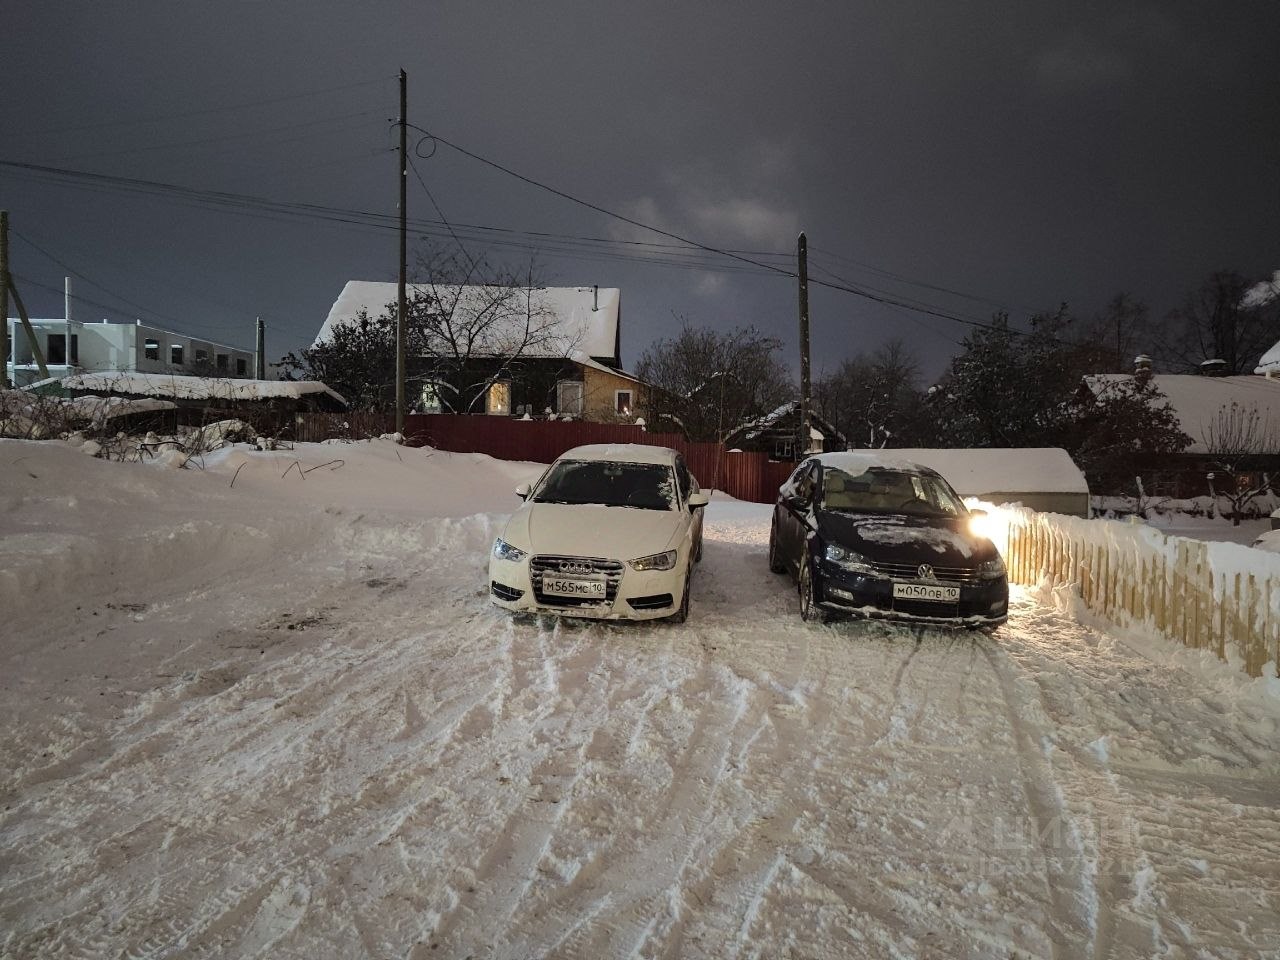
column 902, row 539
column 590, row 530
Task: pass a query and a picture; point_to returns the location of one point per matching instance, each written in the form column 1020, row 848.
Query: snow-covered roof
column 577, row 356
column 1270, row 362
column 753, row 428
column 1196, row 400
column 976, row 471
column 190, row 388
column 580, row 318
column 621, row 453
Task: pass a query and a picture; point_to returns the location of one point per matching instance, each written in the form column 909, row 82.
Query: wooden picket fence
column 1220, row 597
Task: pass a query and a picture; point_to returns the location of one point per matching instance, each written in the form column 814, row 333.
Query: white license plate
column 573, row 587
column 925, row 591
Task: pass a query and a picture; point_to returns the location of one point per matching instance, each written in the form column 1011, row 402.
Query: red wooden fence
column 747, row 476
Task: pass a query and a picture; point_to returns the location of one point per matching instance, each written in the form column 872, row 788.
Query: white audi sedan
column 610, row 531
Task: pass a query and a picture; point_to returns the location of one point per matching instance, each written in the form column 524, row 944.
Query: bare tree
column 471, row 324
column 874, row 399
column 1237, row 439
column 708, row 384
column 1219, row 322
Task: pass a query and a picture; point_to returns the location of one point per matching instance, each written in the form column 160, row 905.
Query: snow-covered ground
column 280, row 719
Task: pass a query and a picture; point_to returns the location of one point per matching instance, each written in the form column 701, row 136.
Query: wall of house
column 599, row 397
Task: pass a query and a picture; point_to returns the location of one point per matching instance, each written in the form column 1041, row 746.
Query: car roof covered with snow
column 859, row 461
column 621, row 453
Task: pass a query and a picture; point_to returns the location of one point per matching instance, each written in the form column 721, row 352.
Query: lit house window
column 175, row 354
column 622, row 402
column 500, row 398
column 151, row 349
column 569, row 397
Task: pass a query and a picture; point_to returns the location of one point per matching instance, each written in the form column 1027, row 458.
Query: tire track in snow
column 1071, row 893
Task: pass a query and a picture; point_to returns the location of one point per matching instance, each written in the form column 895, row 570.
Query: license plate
column 573, row 587
column 925, row 591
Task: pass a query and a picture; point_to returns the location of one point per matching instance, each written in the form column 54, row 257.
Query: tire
column 682, row 612
column 809, row 609
column 775, row 563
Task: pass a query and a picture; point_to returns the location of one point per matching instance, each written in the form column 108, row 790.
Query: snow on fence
column 1221, row 597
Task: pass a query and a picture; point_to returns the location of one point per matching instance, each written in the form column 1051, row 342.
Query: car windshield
column 880, row 490
column 644, row 486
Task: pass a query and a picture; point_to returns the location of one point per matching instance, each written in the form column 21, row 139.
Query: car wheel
column 682, row 612
column 809, row 609
column 775, row 562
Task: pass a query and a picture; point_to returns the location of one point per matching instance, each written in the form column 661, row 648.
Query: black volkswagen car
column 867, row 536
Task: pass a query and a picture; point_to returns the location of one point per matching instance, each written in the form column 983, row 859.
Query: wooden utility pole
column 402, row 307
column 36, row 353
column 260, row 346
column 4, row 299
column 802, row 258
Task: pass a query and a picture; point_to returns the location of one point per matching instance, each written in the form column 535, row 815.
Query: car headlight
column 847, row 559
column 992, row 569
column 655, row 561
column 505, row 551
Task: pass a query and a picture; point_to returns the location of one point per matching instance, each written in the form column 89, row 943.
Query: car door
column 793, row 514
column 687, row 484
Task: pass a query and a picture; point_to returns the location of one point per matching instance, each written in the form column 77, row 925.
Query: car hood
column 589, row 530
column 888, row 538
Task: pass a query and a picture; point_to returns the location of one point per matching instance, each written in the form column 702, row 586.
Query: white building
column 106, row 347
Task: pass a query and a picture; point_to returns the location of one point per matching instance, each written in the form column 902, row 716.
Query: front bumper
column 638, row 594
column 982, row 603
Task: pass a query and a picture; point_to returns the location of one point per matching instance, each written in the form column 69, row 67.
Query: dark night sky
column 1025, row 154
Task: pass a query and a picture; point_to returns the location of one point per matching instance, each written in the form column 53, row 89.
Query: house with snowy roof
column 505, row 351
column 1204, row 403
column 775, row 433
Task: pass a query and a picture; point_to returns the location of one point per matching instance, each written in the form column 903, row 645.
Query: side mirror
column 795, row 502
column 522, row 491
column 699, row 499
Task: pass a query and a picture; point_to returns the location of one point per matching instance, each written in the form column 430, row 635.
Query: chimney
column 1213, row 368
column 1141, row 364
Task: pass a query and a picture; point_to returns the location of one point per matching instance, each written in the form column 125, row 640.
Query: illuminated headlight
column 656, row 561
column 847, row 559
column 505, row 551
column 992, row 569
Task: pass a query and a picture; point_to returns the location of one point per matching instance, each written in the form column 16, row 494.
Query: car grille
column 911, row 571
column 593, row 566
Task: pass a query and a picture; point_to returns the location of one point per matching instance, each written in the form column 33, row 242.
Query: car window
column 879, row 490
column 644, row 486
column 685, row 479
column 806, row 482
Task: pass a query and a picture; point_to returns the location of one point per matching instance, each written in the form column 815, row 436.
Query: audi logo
column 925, row 571
column 574, row 566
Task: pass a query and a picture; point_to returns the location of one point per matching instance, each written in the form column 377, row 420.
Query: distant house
column 777, row 432
column 1198, row 400
column 571, row 367
column 118, row 347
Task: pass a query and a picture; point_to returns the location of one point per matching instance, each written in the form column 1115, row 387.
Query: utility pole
column 260, row 358
column 66, row 307
column 4, row 299
column 802, row 257
column 402, row 308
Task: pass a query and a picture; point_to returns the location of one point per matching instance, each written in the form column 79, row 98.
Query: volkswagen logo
column 575, row 566
column 925, row 571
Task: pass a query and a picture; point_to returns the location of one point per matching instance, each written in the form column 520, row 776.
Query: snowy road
column 282, row 721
